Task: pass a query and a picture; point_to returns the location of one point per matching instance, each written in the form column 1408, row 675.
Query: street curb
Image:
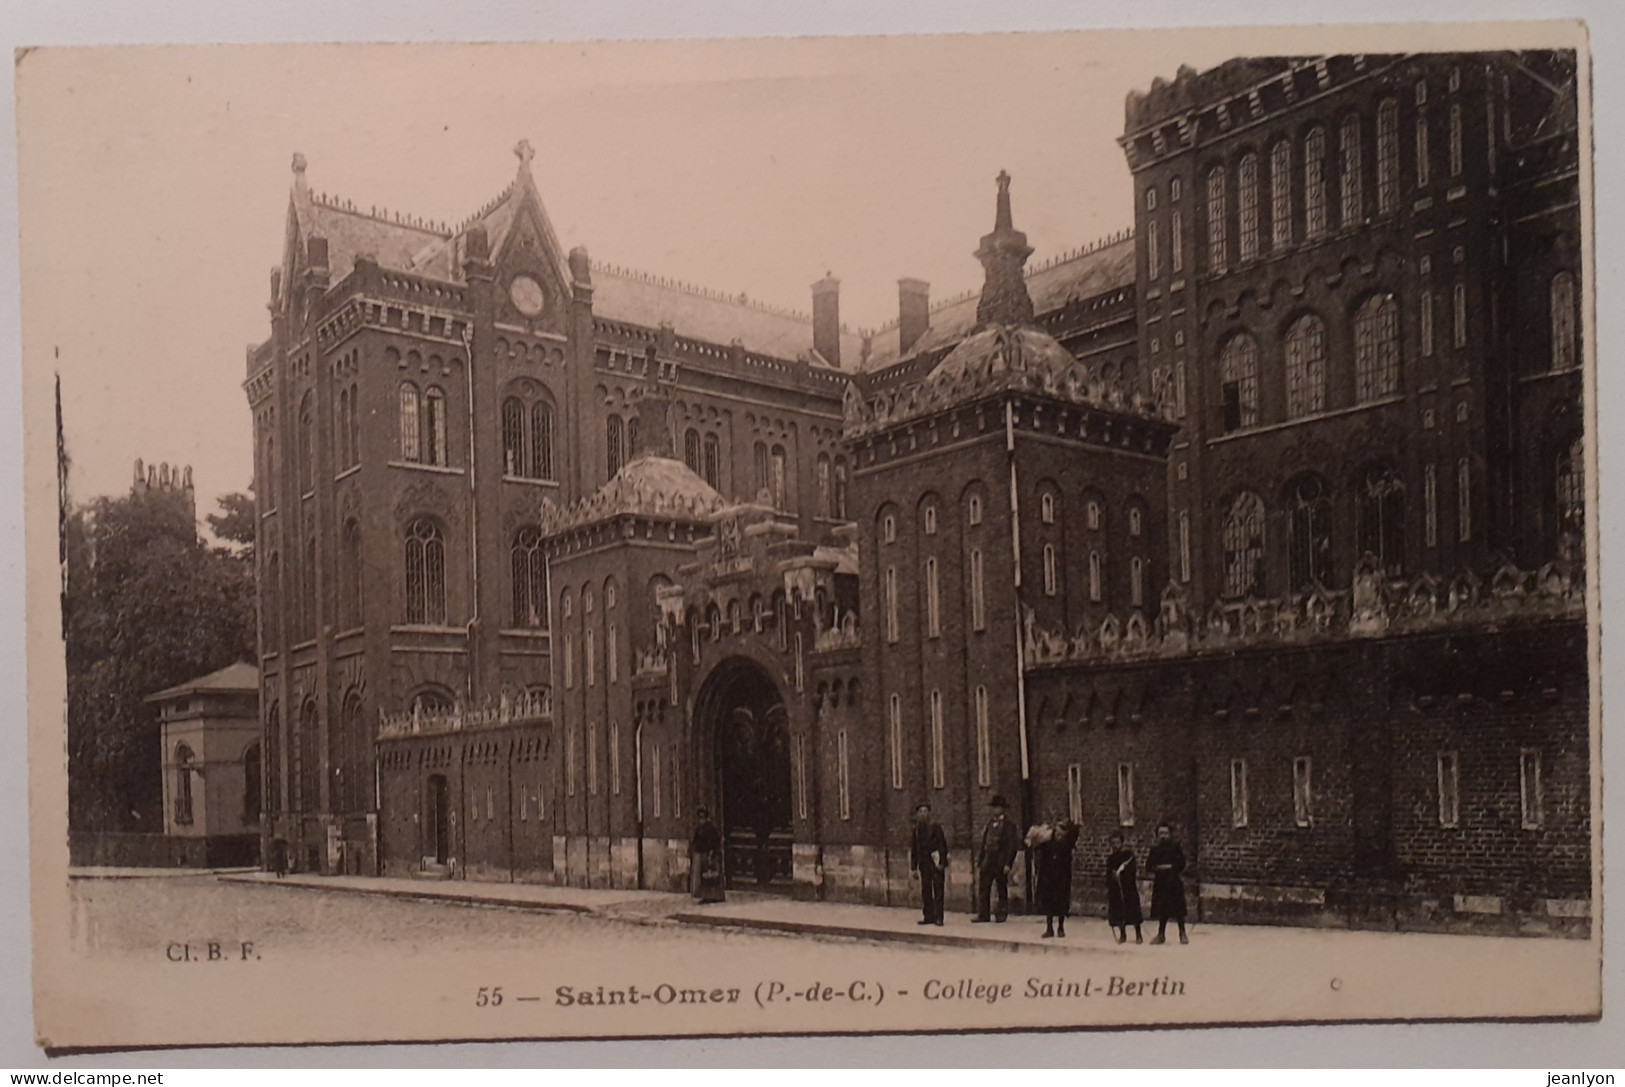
column 811, row 928
column 423, row 895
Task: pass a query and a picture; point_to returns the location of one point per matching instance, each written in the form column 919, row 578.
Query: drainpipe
column 1021, row 649
column 637, row 769
column 473, row 521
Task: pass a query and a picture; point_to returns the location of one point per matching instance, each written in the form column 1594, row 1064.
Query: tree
column 148, row 605
column 235, row 523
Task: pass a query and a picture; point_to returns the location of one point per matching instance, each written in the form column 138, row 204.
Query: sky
column 154, row 183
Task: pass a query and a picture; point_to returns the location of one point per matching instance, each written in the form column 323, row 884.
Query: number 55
column 488, row 998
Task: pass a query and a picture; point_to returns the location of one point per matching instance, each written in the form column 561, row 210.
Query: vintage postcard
column 829, row 535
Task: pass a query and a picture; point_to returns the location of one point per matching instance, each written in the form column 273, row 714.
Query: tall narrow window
column 341, row 428
column 589, row 654
column 1422, row 164
column 1379, row 518
column 1153, row 249
column 891, row 604
column 615, row 758
column 1125, row 794
column 931, row 520
column 1095, row 587
column 1281, row 194
column 1449, row 789
column 307, row 443
column 1306, row 367
column 1176, row 241
column 411, row 448
column 1046, row 509
column 843, row 779
column 1353, row 193
column 1376, row 348
column 1184, row 545
column 1455, row 140
column 434, row 427
column 592, row 756
column 676, row 783
column 780, row 489
column 515, row 450
column 938, row 756
column 1464, row 500
column 308, row 601
column 1303, row 791
column 1387, row 156
column 933, row 600
column 1571, row 499
column 612, row 660
column 1238, row 792
column 1426, row 317
column 1309, row 532
column 541, row 440
column 354, row 426
column 183, row 785
column 801, row 775
column 529, row 579
column 691, row 450
column 1247, row 205
column 713, row 461
column 759, row 465
column 824, row 507
column 1049, row 570
column 1460, row 323
column 1074, row 792
column 978, row 607
column 1238, row 370
column 571, row 774
column 1314, row 183
column 1244, row 546
column 655, row 779
column 984, row 741
column 1091, row 515
column 570, row 661
column 1430, row 504
column 351, row 574
column 1562, row 304
column 425, row 573
column 840, row 487
column 614, row 445
column 1136, row 582
column 1135, row 521
column 633, row 440
column 1530, row 795
column 895, row 722
column 1215, row 220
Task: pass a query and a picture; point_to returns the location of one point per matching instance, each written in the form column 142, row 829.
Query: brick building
column 1265, row 518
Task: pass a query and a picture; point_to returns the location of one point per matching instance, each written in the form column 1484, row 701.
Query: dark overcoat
column 1167, row 885
column 1123, row 889
column 1052, row 860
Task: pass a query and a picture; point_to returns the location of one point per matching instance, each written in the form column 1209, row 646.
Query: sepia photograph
column 801, row 536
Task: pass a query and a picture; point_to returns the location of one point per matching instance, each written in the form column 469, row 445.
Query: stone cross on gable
column 524, row 152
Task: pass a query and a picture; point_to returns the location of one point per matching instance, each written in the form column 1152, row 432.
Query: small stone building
column 211, row 765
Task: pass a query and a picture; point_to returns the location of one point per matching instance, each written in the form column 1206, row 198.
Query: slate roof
column 232, row 679
column 1091, row 271
column 649, row 485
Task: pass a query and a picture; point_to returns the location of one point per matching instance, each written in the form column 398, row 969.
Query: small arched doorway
column 438, row 815
column 740, row 708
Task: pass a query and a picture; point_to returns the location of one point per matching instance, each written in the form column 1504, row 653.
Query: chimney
column 913, row 312
column 827, row 318
column 1003, row 253
column 652, row 403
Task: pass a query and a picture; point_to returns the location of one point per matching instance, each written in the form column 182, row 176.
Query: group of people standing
column 1051, row 847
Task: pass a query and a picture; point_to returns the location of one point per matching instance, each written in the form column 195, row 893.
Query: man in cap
column 928, row 862
column 1000, row 843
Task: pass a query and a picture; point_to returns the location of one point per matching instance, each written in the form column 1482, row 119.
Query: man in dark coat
column 1052, row 847
column 705, row 860
column 928, row 862
column 1122, row 891
column 1166, row 862
column 997, row 852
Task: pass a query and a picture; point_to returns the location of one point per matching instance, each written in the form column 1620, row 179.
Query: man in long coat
column 1001, row 841
column 928, row 862
column 1052, row 847
column 1166, row 862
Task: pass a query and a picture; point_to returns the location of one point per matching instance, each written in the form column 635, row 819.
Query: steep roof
column 1082, row 273
column 435, row 251
column 649, row 485
column 232, row 679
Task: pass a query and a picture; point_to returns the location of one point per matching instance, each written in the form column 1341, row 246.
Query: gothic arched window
column 307, row 443
column 411, row 406
column 1238, row 370
column 824, row 507
column 1376, row 348
column 433, row 433
column 1379, row 518
column 1309, row 532
column 183, row 784
column 614, row 445
column 1571, row 500
column 1281, row 194
column 713, row 461
column 529, row 580
column 1305, row 367
column 1353, row 192
column 425, row 572
column 691, row 450
column 1314, row 183
column 1243, row 533
column 759, row 469
column 1215, row 220
column 351, row 575
column 1562, row 301
column 780, row 466
column 1247, row 205
column 840, row 488
column 349, row 746
column 1387, row 156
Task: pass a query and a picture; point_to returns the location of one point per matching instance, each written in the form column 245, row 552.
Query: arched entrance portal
column 740, row 707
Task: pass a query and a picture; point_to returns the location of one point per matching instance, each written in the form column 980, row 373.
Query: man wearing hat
column 1000, row 842
column 928, row 862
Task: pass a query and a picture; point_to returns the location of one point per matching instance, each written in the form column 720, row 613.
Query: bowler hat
column 998, row 802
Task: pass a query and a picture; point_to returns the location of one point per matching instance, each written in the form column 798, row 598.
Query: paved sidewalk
column 107, row 872
column 742, row 910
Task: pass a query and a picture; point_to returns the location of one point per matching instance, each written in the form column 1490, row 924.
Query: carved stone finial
column 298, row 163
column 524, row 152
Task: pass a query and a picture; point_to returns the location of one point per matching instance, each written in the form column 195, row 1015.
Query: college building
column 1264, row 518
